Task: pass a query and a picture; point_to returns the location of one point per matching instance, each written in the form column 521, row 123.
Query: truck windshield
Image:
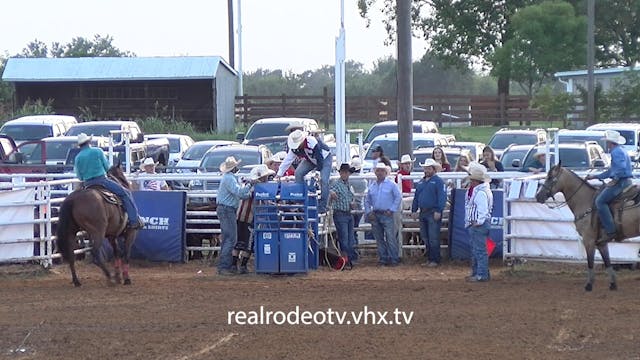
column 26, row 132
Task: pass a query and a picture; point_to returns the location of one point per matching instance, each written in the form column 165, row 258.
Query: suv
column 275, row 127
column 389, row 143
column 574, row 156
column 514, row 154
column 36, row 127
column 505, row 137
column 387, row 127
column 104, row 128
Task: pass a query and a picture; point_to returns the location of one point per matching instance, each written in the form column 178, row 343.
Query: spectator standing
column 230, row 192
column 462, row 165
column 382, row 201
column 429, row 202
column 148, row 166
column 315, row 155
column 342, row 199
column 492, row 164
column 378, row 156
column 406, row 164
column 242, row 249
column 441, row 158
column 478, row 207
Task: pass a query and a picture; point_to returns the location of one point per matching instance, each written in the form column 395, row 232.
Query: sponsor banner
column 163, row 236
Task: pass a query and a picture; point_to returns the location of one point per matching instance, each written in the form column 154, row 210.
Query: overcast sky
column 294, row 35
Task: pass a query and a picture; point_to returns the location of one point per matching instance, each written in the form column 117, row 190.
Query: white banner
column 18, row 212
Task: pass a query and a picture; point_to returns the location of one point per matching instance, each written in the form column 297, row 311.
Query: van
column 630, row 132
column 36, row 127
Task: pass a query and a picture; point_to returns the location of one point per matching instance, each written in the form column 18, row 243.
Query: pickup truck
column 28, row 158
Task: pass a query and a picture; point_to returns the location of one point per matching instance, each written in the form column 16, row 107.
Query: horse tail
column 65, row 222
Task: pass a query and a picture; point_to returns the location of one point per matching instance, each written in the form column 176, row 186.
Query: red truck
column 23, row 159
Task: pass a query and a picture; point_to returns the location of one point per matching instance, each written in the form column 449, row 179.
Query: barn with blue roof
column 198, row 89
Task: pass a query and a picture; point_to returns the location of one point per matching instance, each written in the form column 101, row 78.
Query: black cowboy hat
column 347, row 167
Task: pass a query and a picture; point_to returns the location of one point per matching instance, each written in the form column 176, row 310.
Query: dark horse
column 87, row 209
column 580, row 197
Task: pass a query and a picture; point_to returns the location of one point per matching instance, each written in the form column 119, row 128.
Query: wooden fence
column 465, row 109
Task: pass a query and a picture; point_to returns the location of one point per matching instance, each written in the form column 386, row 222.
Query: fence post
column 245, row 109
column 327, row 108
column 284, row 104
column 503, row 109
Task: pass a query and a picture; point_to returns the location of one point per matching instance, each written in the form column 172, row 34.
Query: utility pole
column 405, row 78
column 591, row 98
column 231, row 34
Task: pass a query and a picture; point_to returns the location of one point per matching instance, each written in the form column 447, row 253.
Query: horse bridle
column 553, row 182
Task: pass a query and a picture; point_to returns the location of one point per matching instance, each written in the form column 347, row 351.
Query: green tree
column 623, row 100
column 78, row 47
column 540, row 33
column 553, row 104
column 617, row 35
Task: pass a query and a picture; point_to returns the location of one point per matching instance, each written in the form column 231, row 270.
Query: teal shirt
column 90, row 162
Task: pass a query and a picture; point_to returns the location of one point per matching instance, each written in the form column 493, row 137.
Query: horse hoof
column 588, row 287
column 127, row 281
column 613, row 286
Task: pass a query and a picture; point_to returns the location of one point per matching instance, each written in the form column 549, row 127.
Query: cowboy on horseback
column 91, row 167
column 620, row 173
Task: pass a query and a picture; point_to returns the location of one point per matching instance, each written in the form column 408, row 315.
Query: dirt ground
column 180, row 311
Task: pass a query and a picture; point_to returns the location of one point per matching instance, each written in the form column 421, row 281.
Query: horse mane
column 115, row 172
column 577, row 176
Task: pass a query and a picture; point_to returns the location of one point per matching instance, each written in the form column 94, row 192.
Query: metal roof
column 595, row 72
column 112, row 68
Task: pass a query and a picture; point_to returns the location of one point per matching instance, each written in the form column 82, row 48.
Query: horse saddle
column 107, row 195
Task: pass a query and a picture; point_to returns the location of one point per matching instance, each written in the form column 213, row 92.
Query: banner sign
column 163, row 236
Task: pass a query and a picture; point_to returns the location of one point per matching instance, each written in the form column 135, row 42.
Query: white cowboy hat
column 356, row 163
column 147, row 162
column 430, row 162
column 84, row 138
column 277, row 157
column 381, row 165
column 406, row 158
column 229, row 164
column 294, row 125
column 295, row 139
column 260, row 171
column 614, row 137
column 541, row 152
column 478, row 172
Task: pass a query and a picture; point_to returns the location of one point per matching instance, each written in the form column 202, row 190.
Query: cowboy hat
column 147, row 162
column 478, row 172
column 614, row 137
column 381, row 165
column 346, row 167
column 378, row 149
column 296, row 138
column 276, row 158
column 260, row 171
column 406, row 158
column 228, row 164
column 539, row 153
column 356, row 163
column 430, row 162
column 84, row 138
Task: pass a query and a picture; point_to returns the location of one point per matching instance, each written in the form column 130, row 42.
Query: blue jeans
column 604, row 199
column 384, row 232
column 229, row 230
column 430, row 235
column 344, row 229
column 479, row 257
column 305, row 167
column 122, row 193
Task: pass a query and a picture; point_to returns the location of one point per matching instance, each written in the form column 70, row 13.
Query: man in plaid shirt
column 342, row 199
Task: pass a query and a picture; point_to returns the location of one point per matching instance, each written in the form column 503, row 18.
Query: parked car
column 389, row 143
column 630, row 132
column 505, row 137
column 452, row 153
column 248, row 155
column 566, row 135
column 388, row 127
column 512, row 153
column 269, row 127
column 36, row 127
column 57, row 148
column 191, row 159
column 178, row 144
column 274, row 143
column 474, row 147
column 574, row 156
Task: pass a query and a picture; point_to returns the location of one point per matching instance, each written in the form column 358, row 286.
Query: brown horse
column 87, row 209
column 580, row 197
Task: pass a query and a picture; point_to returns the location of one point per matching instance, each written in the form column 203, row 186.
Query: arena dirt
column 535, row 311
